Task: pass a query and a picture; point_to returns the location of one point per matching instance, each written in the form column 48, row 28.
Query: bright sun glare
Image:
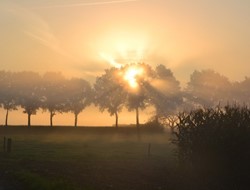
column 123, row 51
column 123, row 48
column 131, row 75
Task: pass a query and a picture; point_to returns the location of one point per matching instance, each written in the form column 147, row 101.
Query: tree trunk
column 157, row 120
column 51, row 118
column 137, row 117
column 138, row 124
column 116, row 119
column 29, row 118
column 76, row 118
column 6, row 118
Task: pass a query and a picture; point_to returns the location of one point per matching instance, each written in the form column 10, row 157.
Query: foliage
column 8, row 94
column 109, row 93
column 240, row 92
column 28, row 86
column 78, row 95
column 52, row 93
column 154, row 125
column 208, row 88
column 215, row 141
column 139, row 98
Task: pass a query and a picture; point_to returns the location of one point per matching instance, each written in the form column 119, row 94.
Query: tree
column 208, row 88
column 8, row 98
column 109, row 93
column 164, row 92
column 137, row 98
column 240, row 92
column 52, row 92
column 135, row 102
column 78, row 96
column 28, row 86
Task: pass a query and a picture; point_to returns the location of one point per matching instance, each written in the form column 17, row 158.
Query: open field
column 87, row 158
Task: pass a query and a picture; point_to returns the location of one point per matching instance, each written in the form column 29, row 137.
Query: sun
column 131, row 75
column 119, row 48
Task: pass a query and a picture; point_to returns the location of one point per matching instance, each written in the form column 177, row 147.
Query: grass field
column 88, row 158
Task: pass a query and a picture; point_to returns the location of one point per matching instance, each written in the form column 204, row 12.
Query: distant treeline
column 157, row 87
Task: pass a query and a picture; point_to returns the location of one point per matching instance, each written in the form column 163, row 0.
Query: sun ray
column 110, row 60
column 131, row 76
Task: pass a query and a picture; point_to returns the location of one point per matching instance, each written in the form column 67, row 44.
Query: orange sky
column 89, row 117
column 70, row 35
column 80, row 37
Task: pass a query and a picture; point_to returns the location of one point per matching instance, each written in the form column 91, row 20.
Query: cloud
column 44, row 40
column 86, row 4
column 32, row 25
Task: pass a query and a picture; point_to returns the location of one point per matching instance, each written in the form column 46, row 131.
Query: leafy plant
column 215, row 141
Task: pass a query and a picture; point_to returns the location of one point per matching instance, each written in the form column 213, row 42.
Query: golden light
column 131, row 75
column 110, row 60
column 122, row 50
column 121, row 47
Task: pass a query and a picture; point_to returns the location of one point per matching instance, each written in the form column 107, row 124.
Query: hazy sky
column 81, row 37
column 84, row 37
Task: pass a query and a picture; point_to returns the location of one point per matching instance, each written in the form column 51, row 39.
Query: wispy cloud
column 45, row 39
column 27, row 22
column 85, row 4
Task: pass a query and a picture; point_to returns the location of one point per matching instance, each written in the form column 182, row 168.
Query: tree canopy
column 133, row 86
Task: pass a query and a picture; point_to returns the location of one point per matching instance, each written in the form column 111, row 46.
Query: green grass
column 66, row 158
column 32, row 180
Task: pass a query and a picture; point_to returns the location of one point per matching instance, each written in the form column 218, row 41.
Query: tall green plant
column 215, row 141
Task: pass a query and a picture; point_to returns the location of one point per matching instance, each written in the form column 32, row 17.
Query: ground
column 87, row 158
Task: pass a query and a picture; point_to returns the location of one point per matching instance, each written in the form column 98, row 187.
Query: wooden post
column 4, row 144
column 149, row 149
column 9, row 143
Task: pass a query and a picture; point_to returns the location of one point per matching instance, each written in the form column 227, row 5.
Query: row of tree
column 51, row 92
column 111, row 92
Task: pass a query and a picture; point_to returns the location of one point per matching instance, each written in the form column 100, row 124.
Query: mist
column 61, row 99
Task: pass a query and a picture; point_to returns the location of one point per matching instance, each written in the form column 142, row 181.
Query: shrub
column 215, row 142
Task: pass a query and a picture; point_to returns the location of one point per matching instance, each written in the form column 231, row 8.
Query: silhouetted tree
column 8, row 95
column 208, row 88
column 240, row 92
column 138, row 98
column 52, row 91
column 164, row 92
column 28, row 86
column 109, row 93
column 136, row 102
column 79, row 95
